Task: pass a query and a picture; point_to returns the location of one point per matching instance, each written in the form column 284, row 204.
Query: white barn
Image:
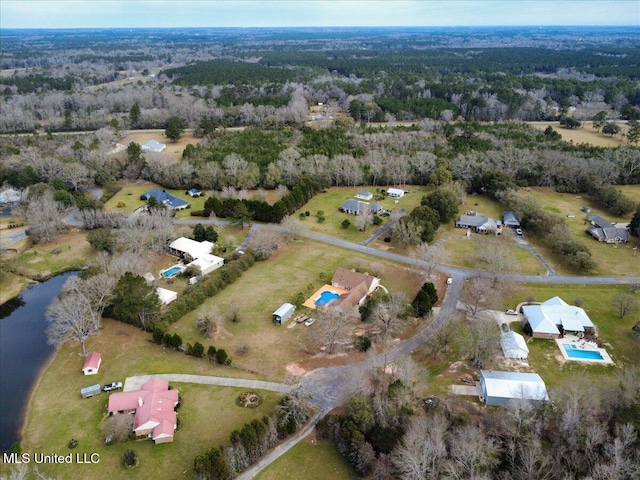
column 500, row 388
column 395, row 192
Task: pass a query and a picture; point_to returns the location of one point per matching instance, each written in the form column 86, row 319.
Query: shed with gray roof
column 500, row 388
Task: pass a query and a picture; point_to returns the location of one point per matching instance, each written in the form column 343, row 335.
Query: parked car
column 112, row 386
column 449, row 281
column 310, row 321
column 511, row 312
column 519, row 231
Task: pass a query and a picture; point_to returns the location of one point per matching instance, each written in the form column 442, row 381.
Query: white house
column 198, row 254
column 549, row 317
column 514, row 345
column 395, row 192
column 500, row 388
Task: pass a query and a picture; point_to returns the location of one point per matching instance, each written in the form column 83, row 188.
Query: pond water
column 23, row 352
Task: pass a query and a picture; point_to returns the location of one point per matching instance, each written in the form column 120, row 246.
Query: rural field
column 174, row 149
column 57, row 412
column 584, row 134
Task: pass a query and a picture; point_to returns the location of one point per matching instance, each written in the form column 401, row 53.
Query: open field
column 310, row 459
column 616, row 260
column 302, row 267
column 330, row 200
column 585, row 134
column 173, row 150
column 57, row 413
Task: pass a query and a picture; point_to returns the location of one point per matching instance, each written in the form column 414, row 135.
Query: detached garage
column 500, row 388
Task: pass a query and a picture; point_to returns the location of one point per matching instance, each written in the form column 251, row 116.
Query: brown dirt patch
column 296, row 370
column 584, row 134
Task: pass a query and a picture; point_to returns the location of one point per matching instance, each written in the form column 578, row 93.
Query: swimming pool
column 171, row 271
column 326, row 297
column 582, row 354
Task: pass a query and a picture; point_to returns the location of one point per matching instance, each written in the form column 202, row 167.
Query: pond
column 23, row 352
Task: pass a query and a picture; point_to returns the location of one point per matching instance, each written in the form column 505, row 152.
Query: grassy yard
column 67, row 252
column 584, row 134
column 57, row 413
column 311, row 460
column 616, row 260
column 466, row 253
column 301, row 266
column 330, row 200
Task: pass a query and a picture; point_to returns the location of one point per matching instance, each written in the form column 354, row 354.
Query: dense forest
column 83, row 80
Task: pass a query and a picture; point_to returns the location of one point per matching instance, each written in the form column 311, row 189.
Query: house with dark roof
column 359, row 286
column 166, row 199
column 510, row 219
column 354, row 207
column 479, row 223
column 154, row 406
column 606, row 232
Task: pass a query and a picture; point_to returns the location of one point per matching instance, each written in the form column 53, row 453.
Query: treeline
column 223, row 72
column 259, row 210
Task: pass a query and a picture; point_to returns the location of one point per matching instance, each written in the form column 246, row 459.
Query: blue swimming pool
column 326, row 297
column 172, row 271
column 582, row 354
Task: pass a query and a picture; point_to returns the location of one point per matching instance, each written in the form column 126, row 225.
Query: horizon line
column 633, row 25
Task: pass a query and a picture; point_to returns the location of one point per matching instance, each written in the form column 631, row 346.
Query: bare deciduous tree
column 475, row 295
column 423, row 450
column 363, row 220
column 481, row 340
column 264, row 243
column 45, row 217
column 332, row 325
column 498, row 259
column 390, row 314
column 295, row 228
column 71, row 318
column 625, row 304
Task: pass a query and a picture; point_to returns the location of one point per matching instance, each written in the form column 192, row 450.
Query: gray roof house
column 510, row 219
column 500, row 388
column 604, row 231
column 376, row 208
column 364, row 195
column 354, row 207
column 546, row 319
column 479, row 223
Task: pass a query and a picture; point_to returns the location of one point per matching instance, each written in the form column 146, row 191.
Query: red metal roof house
column 92, row 363
column 154, row 405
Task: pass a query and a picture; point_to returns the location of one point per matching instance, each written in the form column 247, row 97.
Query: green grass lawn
column 301, row 266
column 466, row 253
column 309, row 460
column 57, row 413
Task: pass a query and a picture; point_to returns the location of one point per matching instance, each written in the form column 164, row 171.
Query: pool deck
column 581, row 344
column 311, row 301
column 178, row 265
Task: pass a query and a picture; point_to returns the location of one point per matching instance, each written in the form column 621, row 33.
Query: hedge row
column 195, row 295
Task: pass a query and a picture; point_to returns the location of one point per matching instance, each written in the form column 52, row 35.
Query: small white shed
column 283, row 313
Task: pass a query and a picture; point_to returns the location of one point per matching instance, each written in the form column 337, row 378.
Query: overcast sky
column 274, row 13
